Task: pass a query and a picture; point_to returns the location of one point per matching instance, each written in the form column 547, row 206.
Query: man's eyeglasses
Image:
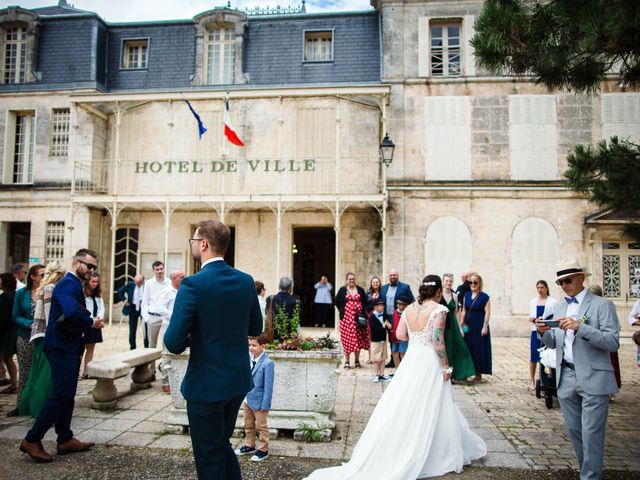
column 191, row 240
column 90, row 266
column 565, row 281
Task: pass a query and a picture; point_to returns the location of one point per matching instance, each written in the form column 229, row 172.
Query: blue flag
column 201, row 127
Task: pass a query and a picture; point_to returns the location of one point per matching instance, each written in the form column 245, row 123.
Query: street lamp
column 386, row 150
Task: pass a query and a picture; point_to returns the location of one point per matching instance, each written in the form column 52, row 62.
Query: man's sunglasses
column 90, row 266
column 564, row 281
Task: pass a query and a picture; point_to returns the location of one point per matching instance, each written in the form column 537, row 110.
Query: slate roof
column 78, row 49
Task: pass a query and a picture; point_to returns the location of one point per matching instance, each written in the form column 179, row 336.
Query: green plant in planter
column 296, row 342
column 287, row 327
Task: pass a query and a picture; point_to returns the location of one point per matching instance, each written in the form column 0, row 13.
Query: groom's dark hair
column 216, row 234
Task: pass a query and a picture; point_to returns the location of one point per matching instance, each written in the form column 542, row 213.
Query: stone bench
column 106, row 370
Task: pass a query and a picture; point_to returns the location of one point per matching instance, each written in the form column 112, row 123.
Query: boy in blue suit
column 258, row 402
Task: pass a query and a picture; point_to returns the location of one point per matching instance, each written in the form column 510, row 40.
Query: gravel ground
column 105, row 462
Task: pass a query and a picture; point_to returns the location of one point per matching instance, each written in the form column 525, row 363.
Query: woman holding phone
column 540, row 306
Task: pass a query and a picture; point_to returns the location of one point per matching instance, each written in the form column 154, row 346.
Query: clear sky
column 141, row 10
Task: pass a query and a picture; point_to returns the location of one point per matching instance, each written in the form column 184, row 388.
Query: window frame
column 444, row 24
column 318, row 31
column 55, row 149
column 21, row 56
column 124, row 53
column 52, row 231
column 12, row 145
column 231, row 45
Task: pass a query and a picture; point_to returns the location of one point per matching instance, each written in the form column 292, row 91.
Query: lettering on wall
column 224, row 166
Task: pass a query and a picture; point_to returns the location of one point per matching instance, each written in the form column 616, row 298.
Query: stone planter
column 304, row 391
column 177, row 369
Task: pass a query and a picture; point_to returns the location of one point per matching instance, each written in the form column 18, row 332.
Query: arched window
column 448, row 248
column 220, row 36
column 18, row 45
column 15, row 55
column 534, row 256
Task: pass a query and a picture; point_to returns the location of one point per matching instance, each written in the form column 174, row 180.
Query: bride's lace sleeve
column 439, row 321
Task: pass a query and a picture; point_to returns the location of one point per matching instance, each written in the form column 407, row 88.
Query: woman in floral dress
column 351, row 300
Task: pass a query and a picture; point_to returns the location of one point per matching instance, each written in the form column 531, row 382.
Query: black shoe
column 13, row 413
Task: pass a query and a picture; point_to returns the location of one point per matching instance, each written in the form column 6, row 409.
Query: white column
column 222, row 211
column 336, row 228
column 384, row 232
column 116, row 154
column 278, row 238
column 167, row 222
column 114, row 223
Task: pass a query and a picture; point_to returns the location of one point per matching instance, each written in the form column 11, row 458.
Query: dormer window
column 18, row 45
column 219, row 47
column 15, row 55
column 318, row 46
column 135, row 54
column 221, row 56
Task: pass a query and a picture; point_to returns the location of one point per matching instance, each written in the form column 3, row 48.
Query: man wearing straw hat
column 587, row 332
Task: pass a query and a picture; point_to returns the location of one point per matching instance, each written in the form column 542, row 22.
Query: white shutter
column 533, row 137
column 469, row 67
column 423, row 47
column 448, row 247
column 447, row 140
column 534, row 256
column 621, row 115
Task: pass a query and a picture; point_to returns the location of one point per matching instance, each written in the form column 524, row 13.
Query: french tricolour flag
column 229, row 131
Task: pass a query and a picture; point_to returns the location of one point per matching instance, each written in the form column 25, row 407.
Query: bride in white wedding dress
column 416, row 430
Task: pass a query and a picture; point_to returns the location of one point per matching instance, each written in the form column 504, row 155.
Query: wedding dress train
column 416, row 430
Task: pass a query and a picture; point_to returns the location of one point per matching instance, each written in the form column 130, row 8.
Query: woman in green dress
column 39, row 383
column 457, row 351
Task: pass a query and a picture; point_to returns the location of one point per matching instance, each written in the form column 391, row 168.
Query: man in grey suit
column 586, row 334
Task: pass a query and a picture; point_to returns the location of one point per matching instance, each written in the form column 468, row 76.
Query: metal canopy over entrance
column 170, row 179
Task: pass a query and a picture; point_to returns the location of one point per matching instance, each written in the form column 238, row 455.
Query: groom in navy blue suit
column 214, row 313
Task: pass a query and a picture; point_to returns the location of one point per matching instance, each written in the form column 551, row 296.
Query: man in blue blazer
column 215, row 311
column 131, row 294
column 390, row 294
column 63, row 346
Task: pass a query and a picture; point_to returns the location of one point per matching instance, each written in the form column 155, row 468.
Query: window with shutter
column 447, row 139
column 533, row 137
column 448, row 247
column 621, row 115
column 534, row 256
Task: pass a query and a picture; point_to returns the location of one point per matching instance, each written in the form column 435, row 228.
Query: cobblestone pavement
column 521, row 433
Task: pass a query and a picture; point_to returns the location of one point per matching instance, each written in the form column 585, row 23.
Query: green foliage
column 565, row 44
column 311, row 434
column 285, row 325
column 326, row 342
column 296, row 342
column 609, row 175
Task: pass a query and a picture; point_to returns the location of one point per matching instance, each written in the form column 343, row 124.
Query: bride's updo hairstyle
column 429, row 287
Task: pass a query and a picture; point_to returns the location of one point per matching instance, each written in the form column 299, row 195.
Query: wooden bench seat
column 106, row 370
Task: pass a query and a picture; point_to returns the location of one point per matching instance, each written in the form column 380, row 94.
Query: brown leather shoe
column 36, row 451
column 73, row 446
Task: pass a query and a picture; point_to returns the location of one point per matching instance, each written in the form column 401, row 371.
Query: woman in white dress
column 416, row 430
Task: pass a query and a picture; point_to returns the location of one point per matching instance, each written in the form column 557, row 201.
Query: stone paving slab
column 519, row 430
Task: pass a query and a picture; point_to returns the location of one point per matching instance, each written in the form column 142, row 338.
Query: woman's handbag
column 361, row 320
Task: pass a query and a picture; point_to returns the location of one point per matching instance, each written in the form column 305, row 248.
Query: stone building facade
column 100, row 149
